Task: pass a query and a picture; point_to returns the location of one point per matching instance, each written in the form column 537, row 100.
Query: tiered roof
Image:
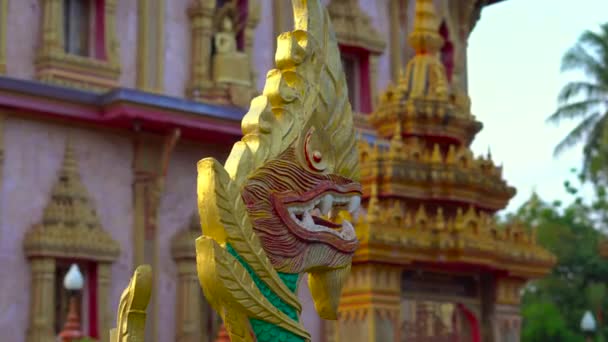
column 429, row 199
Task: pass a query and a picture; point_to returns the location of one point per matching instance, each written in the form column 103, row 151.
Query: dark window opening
column 447, row 51
column 351, row 65
column 77, row 26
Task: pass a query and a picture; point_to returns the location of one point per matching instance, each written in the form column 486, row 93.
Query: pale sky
column 514, row 77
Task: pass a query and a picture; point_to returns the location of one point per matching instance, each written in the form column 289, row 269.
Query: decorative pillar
column 201, row 19
column 52, row 28
column 487, row 286
column 189, row 327
column 373, row 79
column 112, row 45
column 508, row 315
column 190, row 313
column 105, row 316
column 370, row 307
column 150, row 45
column 42, row 301
column 151, row 159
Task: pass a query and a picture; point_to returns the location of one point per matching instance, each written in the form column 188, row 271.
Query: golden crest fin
column 130, row 325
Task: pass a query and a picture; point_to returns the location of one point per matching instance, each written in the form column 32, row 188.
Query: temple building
column 107, row 105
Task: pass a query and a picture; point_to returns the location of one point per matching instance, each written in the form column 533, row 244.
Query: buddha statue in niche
column 230, row 66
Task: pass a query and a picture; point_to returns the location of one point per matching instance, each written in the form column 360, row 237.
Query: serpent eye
column 314, row 151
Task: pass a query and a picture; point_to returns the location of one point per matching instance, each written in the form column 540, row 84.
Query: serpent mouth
column 313, row 216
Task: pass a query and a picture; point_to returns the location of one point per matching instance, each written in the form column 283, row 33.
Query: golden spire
column 425, row 38
column 425, row 77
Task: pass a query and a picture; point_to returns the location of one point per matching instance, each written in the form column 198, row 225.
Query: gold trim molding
column 54, row 65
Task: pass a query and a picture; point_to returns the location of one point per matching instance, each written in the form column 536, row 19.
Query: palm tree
column 587, row 101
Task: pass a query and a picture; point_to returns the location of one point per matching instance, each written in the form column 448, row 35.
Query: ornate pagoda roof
column 70, row 227
column 429, row 199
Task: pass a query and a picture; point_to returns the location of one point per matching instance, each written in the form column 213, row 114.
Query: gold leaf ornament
column 222, row 276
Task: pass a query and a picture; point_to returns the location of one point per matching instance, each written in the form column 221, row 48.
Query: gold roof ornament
column 70, row 227
column 423, row 101
column 422, row 162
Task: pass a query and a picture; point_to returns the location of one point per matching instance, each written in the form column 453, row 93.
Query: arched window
column 77, row 35
column 70, row 232
column 360, row 45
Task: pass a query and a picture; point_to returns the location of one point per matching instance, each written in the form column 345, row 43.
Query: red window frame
column 362, row 56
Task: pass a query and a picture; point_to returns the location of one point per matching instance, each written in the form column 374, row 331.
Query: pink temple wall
column 25, row 27
column 33, row 155
column 310, row 319
column 263, row 45
column 22, row 37
column 177, row 205
column 126, row 32
column 177, row 47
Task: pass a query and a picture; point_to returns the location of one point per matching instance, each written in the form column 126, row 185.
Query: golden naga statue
column 278, row 207
column 134, row 300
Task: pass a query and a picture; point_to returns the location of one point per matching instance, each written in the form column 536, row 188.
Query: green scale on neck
column 264, row 331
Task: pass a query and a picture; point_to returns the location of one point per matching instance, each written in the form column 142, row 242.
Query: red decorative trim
column 473, row 323
column 124, row 116
column 363, row 56
column 100, row 30
column 92, row 285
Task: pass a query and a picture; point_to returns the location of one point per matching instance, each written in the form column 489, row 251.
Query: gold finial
column 451, row 157
column 425, row 38
column 421, row 217
column 397, row 213
column 373, row 208
column 69, row 166
column 436, row 155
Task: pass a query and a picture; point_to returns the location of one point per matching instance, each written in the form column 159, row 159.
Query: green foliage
column 587, row 101
column 86, row 339
column 545, row 323
column 552, row 307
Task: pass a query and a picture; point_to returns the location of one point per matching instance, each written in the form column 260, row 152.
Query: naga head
column 280, row 202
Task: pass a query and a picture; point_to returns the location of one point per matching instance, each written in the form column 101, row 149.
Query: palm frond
column 598, row 42
column 574, row 110
column 587, row 89
column 577, row 58
column 577, row 134
column 595, row 146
